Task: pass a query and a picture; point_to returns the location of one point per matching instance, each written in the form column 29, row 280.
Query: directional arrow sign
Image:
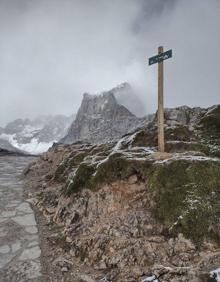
column 161, row 57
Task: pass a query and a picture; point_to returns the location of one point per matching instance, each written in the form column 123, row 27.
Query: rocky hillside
column 127, row 213
column 35, row 136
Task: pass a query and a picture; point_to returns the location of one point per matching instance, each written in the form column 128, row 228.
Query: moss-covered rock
column 70, row 162
column 59, row 173
column 146, row 137
column 182, row 146
column 180, row 133
column 211, row 122
column 115, row 167
column 103, row 150
column 76, row 159
column 180, row 138
column 187, row 197
column 80, row 180
column 209, row 130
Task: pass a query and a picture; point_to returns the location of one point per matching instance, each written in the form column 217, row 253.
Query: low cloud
column 51, row 52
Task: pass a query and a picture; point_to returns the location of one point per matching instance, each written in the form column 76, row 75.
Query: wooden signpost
column 160, row 113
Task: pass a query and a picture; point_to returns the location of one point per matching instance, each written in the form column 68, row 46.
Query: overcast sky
column 52, row 51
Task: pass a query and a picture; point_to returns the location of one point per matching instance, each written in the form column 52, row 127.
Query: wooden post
column 160, row 112
column 159, row 58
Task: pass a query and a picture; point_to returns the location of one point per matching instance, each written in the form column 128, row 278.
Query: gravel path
column 19, row 241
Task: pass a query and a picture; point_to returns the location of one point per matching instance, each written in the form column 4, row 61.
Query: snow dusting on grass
column 150, row 279
column 187, row 158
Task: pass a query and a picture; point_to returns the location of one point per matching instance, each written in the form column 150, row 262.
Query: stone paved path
column 19, row 241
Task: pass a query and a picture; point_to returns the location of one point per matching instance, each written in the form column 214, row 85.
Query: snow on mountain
column 38, row 135
column 33, row 146
column 6, row 147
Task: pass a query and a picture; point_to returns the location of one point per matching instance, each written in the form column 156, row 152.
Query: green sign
column 160, row 57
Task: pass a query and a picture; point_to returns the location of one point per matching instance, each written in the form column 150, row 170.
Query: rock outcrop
column 101, row 118
column 183, row 115
column 128, row 213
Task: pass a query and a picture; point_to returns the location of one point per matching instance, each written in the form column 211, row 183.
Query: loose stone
column 25, row 220
column 4, row 249
column 30, row 254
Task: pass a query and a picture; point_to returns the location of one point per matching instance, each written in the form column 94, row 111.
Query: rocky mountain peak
column 105, row 117
column 93, row 105
column 16, row 126
column 101, row 118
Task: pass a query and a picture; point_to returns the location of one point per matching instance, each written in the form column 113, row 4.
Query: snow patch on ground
column 127, row 140
column 188, row 158
column 150, row 279
column 215, row 274
column 181, row 142
column 33, row 147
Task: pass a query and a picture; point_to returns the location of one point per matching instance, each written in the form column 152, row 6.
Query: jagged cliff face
column 129, row 213
column 101, row 119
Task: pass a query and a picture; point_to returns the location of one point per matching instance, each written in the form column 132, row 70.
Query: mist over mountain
column 123, row 185
column 128, row 97
column 54, row 51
